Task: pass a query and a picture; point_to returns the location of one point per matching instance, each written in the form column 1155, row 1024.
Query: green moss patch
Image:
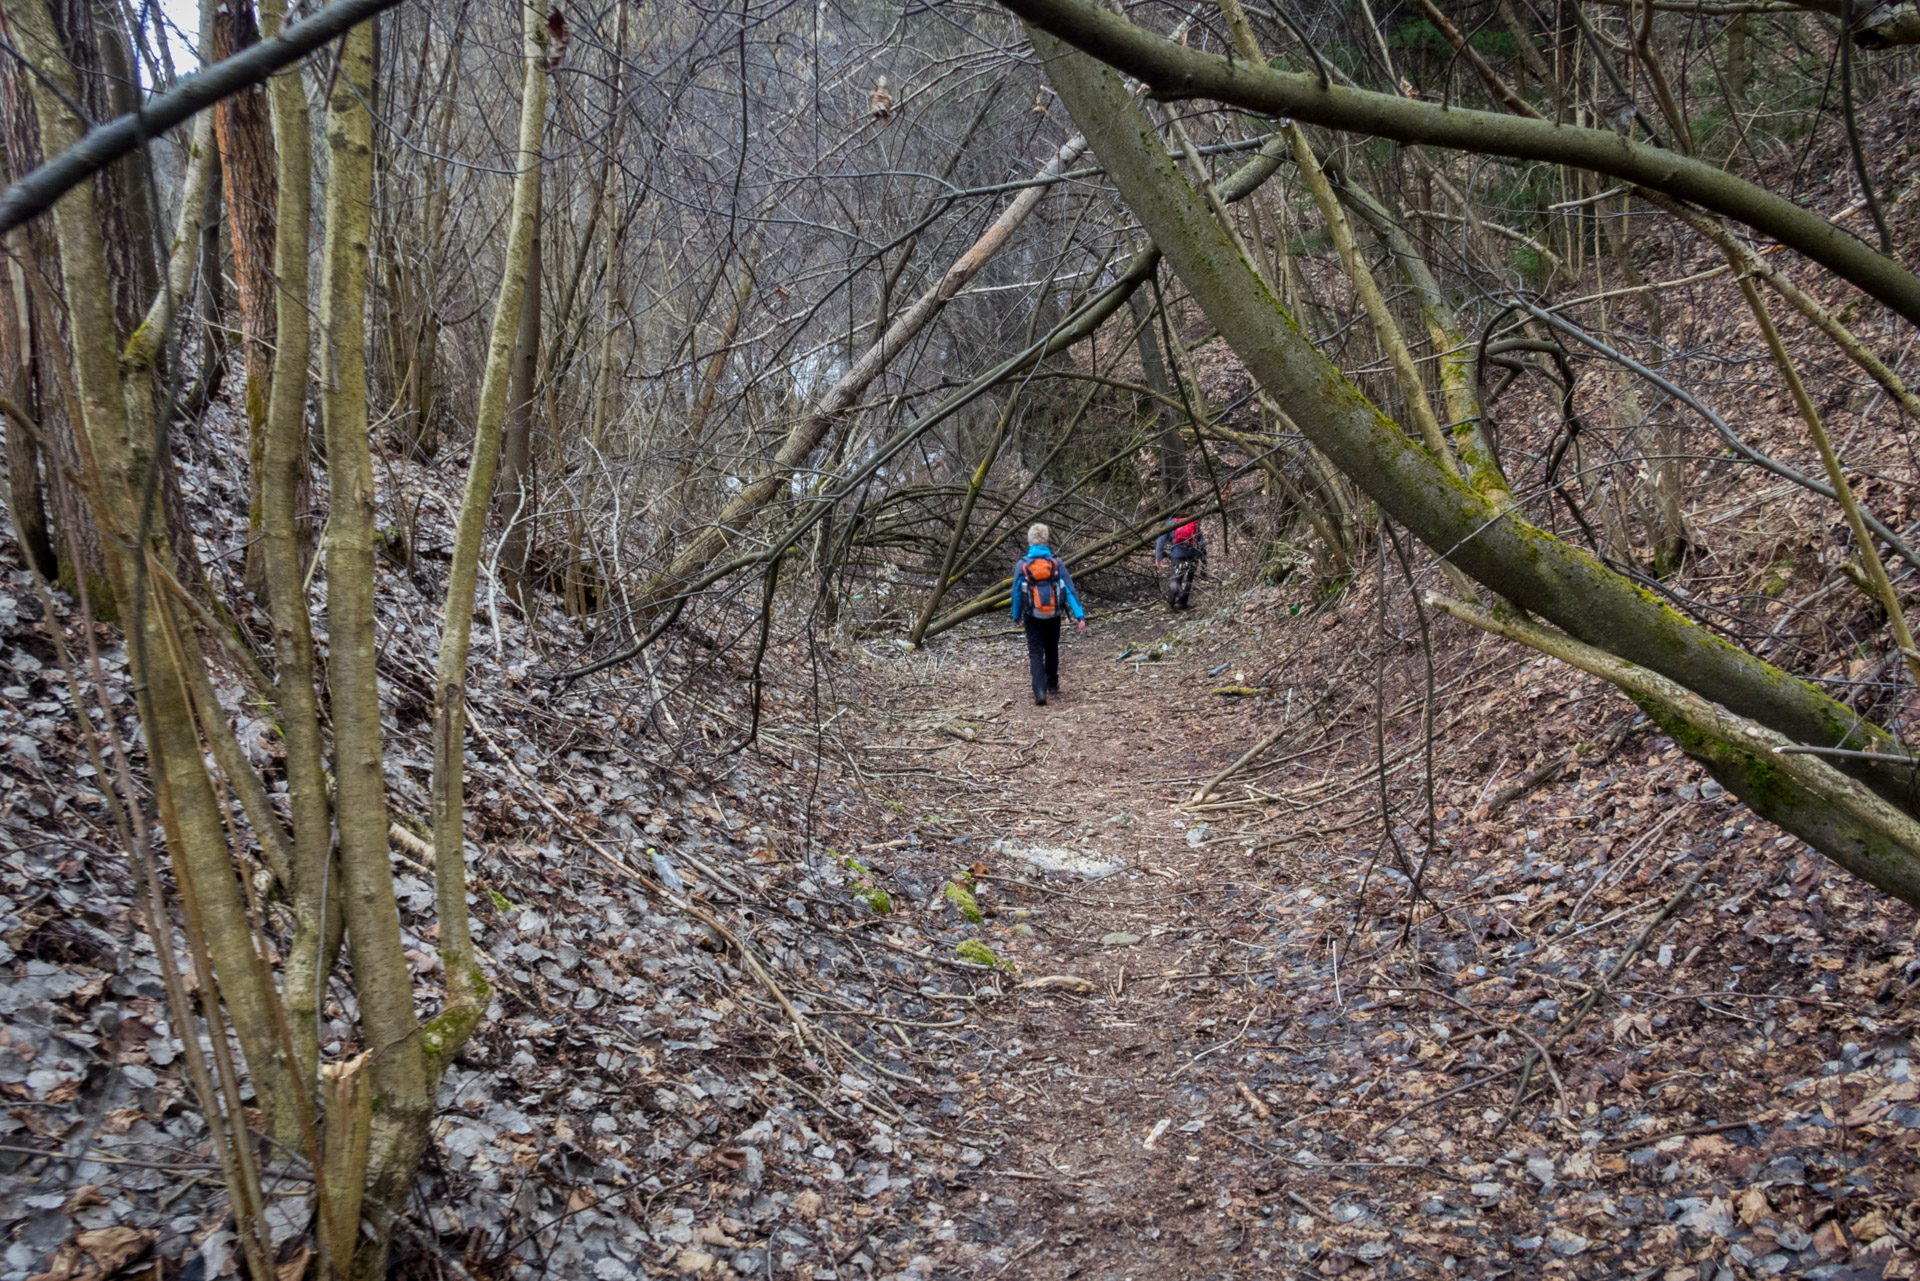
column 977, row 952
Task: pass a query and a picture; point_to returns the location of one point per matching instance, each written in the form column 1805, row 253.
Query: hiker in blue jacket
column 1040, row 584
column 1183, row 547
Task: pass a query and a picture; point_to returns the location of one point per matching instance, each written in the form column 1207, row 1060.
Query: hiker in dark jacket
column 1041, row 586
column 1184, row 548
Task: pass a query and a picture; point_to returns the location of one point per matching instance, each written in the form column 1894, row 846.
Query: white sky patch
column 181, row 21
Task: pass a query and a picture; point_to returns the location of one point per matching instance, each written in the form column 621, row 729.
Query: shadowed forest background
column 515, row 761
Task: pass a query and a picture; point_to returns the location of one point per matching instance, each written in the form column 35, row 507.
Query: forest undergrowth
column 1015, row 997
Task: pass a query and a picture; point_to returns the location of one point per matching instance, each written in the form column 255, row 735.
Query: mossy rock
column 961, row 897
column 878, row 901
column 977, row 952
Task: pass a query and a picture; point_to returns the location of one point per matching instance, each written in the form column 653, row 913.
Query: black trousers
column 1180, row 582
column 1043, row 653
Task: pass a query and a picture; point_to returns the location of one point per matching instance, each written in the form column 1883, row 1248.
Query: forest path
column 1103, row 1118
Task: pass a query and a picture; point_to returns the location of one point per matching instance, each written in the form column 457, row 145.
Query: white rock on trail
column 1049, row 858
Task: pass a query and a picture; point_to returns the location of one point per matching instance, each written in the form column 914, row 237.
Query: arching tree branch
column 1176, row 71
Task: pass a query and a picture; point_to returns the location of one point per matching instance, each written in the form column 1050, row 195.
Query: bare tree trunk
column 586, row 582
column 1649, row 59
column 1465, row 424
column 93, row 48
column 247, row 171
column 603, row 388
column 401, row 1095
column 1665, row 491
column 415, row 273
column 23, row 447
column 466, row 983
column 975, row 484
column 1523, row 37
column 283, row 482
column 109, row 86
column 1167, row 441
column 515, row 499
column 1739, row 60
column 212, row 305
column 716, row 367
column 711, row 376
column 1392, row 342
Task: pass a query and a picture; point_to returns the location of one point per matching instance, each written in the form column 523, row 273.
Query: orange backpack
column 1042, row 578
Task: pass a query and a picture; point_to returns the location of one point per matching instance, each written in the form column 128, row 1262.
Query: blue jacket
column 1066, row 582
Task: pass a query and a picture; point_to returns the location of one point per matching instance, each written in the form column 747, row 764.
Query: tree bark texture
column 283, row 485
column 516, row 499
column 402, row 1092
column 161, row 641
column 91, row 45
column 23, row 444
column 244, row 131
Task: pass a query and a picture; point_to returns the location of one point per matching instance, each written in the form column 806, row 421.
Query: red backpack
column 1186, row 533
column 1042, row 577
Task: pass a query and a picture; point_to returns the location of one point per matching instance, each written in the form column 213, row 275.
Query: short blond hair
column 1039, row 533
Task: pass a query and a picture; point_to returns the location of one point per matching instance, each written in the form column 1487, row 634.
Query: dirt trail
column 1265, row 1072
column 1099, row 1114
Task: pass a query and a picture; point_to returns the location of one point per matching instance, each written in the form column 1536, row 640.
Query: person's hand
column 1081, row 623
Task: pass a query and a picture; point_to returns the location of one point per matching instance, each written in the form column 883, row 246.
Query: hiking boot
column 1039, row 700
column 1053, row 687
